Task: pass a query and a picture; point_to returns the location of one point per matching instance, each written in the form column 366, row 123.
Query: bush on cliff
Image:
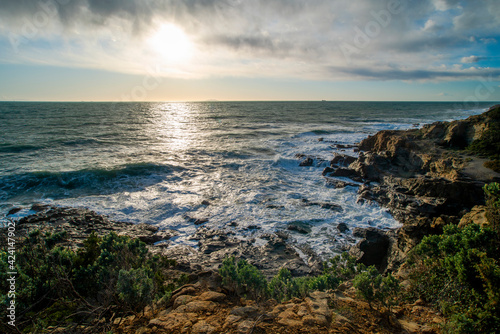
column 459, row 273
column 246, row 280
column 492, row 192
column 372, row 286
column 489, row 143
column 57, row 286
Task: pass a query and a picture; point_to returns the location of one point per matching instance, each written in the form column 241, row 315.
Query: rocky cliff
column 426, row 178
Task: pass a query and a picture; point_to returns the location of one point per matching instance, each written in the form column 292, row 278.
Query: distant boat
column 323, row 100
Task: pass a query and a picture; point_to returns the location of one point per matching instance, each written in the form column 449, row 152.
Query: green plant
column 343, row 266
column 56, row 286
column 492, row 194
column 243, row 277
column 372, row 286
column 459, row 273
column 135, row 288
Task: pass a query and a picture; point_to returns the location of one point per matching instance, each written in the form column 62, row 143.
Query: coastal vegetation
column 58, row 286
column 488, row 145
column 246, row 280
column 438, row 273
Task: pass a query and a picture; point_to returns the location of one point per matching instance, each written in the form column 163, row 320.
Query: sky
column 197, row 50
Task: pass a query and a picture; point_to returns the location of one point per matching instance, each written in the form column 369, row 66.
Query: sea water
column 229, row 163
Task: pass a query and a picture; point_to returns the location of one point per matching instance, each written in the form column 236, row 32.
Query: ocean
column 175, row 165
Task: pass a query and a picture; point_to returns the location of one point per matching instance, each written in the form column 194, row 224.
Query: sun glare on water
column 171, row 44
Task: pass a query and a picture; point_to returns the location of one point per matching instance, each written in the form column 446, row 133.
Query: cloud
column 257, row 37
column 471, row 59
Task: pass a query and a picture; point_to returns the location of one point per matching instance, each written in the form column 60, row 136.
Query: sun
column 171, row 43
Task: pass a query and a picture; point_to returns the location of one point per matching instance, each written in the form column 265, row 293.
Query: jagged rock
column 306, row 162
column 324, row 205
column 478, row 215
column 80, row 223
column 13, row 211
column 344, row 172
column 342, row 227
column 373, row 248
column 341, row 160
column 336, row 183
column 299, row 227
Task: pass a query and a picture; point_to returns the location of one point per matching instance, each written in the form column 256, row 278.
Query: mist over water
column 157, row 162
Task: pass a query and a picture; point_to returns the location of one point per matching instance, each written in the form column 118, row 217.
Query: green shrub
column 135, row 288
column 243, row 278
column 492, row 193
column 459, row 273
column 56, row 286
column 371, row 286
column 343, row 266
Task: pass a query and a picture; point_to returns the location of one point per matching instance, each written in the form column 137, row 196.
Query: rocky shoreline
column 424, row 177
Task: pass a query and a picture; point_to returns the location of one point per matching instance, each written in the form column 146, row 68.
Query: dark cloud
column 402, row 74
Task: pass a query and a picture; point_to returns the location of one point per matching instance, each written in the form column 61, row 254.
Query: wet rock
column 339, row 184
column 342, row 227
column 205, row 203
column 344, row 172
column 327, row 171
column 324, row 205
column 200, row 221
column 342, row 160
column 299, row 227
column 345, row 146
column 37, row 207
column 306, row 162
column 13, row 211
column 373, row 248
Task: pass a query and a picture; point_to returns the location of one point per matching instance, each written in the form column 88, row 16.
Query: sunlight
column 171, row 44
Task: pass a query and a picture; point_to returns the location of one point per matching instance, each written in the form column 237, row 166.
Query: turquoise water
column 157, row 162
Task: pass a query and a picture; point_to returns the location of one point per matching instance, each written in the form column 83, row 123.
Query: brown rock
column 478, row 215
column 173, row 320
column 245, row 311
column 203, row 327
column 197, row 306
column 212, row 296
column 182, row 300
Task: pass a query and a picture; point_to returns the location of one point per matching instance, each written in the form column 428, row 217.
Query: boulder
column 373, row 247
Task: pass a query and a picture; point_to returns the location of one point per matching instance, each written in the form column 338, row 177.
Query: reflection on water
column 175, row 126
